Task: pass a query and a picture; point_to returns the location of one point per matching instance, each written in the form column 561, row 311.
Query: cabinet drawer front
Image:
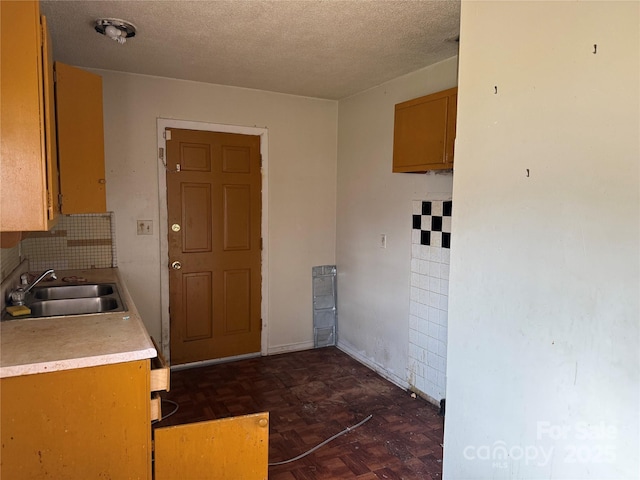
column 156, row 407
column 160, row 371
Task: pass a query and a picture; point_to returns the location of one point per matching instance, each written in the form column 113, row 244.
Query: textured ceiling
column 317, row 48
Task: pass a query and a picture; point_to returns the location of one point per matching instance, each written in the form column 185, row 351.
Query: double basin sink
column 74, row 300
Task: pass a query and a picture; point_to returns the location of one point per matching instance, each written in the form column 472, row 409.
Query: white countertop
column 39, row 345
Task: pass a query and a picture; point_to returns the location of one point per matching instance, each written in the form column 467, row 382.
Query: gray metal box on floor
column 325, row 311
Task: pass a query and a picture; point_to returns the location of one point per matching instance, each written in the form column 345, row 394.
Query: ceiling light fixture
column 115, row 29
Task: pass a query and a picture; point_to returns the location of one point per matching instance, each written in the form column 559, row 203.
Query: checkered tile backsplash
column 432, row 223
column 429, row 297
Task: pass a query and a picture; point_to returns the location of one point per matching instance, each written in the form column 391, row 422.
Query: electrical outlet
column 145, row 227
column 383, row 240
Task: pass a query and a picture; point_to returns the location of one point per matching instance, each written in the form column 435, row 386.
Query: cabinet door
column 424, row 133
column 227, row 449
column 86, row 423
column 28, row 198
column 80, row 140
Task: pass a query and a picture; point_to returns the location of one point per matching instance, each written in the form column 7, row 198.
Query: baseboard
column 379, row 369
column 291, row 347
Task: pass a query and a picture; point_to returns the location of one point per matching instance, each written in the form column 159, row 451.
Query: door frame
column 162, row 124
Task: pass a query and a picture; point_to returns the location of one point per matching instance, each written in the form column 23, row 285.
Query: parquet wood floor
column 310, row 396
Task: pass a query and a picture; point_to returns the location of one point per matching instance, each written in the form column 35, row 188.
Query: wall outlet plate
column 145, row 227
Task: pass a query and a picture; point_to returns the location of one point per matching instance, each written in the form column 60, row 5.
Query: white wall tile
column 444, row 302
column 444, row 271
column 415, row 236
column 423, row 326
column 435, row 254
column 433, row 300
column 433, row 330
column 442, row 350
column 444, row 287
column 442, row 334
column 446, row 255
column 432, row 360
column 413, row 322
column 415, row 265
column 424, row 267
column 416, row 207
column 415, row 294
column 423, row 297
column 434, row 284
column 424, row 252
column 414, row 279
column 443, row 317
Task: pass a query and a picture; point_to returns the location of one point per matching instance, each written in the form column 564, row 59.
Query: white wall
column 301, row 176
column 374, row 283
column 543, row 306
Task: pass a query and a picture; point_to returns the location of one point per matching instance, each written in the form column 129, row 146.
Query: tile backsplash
column 431, row 240
column 9, row 260
column 76, row 242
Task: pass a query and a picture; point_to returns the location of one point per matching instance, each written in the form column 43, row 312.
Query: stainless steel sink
column 73, row 291
column 65, row 300
column 75, row 306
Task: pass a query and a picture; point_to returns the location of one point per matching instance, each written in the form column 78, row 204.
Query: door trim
column 162, row 124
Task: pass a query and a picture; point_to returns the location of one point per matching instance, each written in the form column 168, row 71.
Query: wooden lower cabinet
column 95, row 422
column 77, row 424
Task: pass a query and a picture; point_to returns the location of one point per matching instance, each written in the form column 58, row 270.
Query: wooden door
column 214, row 214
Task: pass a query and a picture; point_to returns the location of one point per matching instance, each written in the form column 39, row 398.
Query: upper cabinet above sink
column 425, row 133
column 28, row 170
column 45, row 127
column 80, row 140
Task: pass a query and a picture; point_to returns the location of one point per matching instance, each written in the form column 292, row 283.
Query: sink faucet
column 17, row 296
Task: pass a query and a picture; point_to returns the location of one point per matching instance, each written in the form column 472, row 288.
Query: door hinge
column 167, row 134
column 60, row 201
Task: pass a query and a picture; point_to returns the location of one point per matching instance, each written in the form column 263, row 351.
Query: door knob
column 176, row 265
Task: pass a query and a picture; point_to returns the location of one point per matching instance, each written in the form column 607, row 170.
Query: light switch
column 145, row 227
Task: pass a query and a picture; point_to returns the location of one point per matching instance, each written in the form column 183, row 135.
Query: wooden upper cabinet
column 80, row 140
column 28, row 170
column 425, row 132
